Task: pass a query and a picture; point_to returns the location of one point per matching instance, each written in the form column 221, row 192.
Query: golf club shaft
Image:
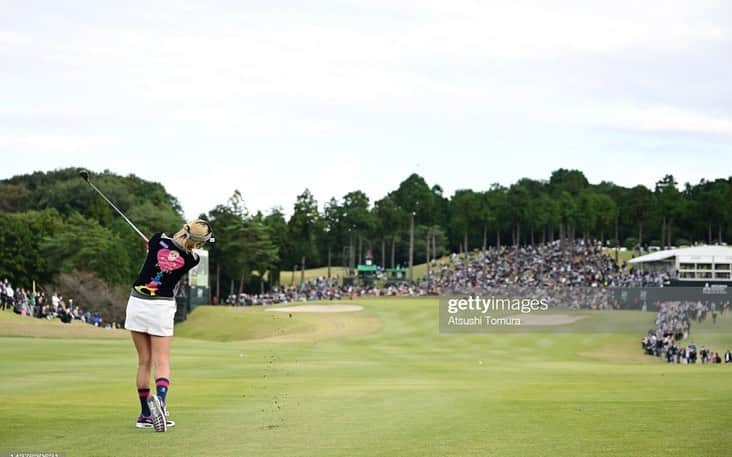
column 118, row 211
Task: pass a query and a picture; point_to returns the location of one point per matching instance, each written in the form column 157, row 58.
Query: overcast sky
column 272, row 97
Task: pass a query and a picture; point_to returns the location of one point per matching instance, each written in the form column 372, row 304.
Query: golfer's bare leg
column 161, row 355
column 144, row 358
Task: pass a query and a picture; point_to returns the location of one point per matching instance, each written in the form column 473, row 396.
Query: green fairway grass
column 377, row 382
column 259, row 323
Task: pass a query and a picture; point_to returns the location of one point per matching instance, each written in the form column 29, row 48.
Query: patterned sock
column 162, row 385
column 144, row 393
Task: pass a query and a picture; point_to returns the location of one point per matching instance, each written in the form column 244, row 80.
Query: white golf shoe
column 157, row 413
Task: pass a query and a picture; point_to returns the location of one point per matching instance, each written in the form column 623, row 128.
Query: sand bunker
column 547, row 319
column 337, row 308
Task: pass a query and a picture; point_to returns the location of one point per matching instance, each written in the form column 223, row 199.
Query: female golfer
column 150, row 312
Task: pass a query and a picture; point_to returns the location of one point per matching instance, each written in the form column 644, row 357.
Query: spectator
column 54, row 302
column 9, row 296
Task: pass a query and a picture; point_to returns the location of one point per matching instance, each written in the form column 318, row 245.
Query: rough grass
column 623, row 256
column 312, row 273
column 12, row 324
column 286, row 277
column 403, row 389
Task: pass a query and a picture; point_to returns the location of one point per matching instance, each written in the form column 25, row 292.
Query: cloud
column 662, row 118
column 43, row 142
column 366, row 81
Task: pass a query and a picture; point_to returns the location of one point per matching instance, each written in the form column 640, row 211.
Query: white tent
column 694, row 263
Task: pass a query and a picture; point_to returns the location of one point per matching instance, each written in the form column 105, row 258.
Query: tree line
column 53, row 224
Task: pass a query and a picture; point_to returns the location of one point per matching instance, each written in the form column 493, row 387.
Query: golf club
column 85, row 174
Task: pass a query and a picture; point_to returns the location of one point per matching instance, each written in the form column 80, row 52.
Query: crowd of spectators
column 546, row 266
column 673, row 324
column 37, row 304
column 577, row 276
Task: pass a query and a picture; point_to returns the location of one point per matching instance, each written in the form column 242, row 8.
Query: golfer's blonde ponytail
column 197, row 228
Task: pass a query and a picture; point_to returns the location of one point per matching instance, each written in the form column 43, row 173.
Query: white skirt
column 154, row 317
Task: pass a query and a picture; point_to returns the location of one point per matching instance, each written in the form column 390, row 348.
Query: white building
column 694, row 264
